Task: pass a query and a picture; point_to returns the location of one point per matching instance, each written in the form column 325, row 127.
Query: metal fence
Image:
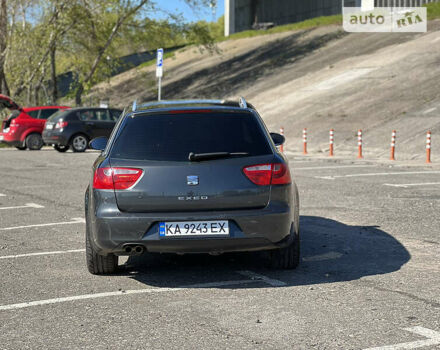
column 401, row 3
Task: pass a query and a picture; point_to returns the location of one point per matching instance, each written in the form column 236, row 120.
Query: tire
column 79, row 143
column 286, row 258
column 34, row 142
column 60, row 148
column 99, row 264
column 21, row 148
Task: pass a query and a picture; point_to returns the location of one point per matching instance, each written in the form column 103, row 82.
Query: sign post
column 159, row 72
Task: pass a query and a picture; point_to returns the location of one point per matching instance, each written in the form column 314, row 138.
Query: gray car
column 191, row 177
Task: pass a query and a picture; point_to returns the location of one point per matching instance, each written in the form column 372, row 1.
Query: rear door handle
column 90, row 123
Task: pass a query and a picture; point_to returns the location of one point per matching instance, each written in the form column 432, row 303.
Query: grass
column 309, row 23
column 153, row 61
column 433, row 10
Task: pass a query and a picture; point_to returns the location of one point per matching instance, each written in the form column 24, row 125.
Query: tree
column 52, row 28
column 4, row 89
column 123, row 10
column 39, row 39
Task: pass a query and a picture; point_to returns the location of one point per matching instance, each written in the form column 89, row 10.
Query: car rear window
column 173, row 137
column 46, row 113
column 61, row 113
column 34, row 114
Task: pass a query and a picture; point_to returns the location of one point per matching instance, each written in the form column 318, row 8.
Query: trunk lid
column 181, row 187
column 7, row 102
column 161, row 143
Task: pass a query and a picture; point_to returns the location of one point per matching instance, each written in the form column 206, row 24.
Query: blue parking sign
column 160, row 57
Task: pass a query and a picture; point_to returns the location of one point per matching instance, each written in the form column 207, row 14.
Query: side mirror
column 278, row 139
column 99, row 143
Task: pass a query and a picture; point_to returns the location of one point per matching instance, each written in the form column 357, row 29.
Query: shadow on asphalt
column 243, row 70
column 331, row 252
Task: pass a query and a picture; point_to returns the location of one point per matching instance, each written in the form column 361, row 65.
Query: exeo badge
column 193, row 198
column 192, row 180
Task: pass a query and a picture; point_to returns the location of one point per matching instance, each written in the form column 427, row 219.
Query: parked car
column 24, row 126
column 77, row 126
column 191, row 177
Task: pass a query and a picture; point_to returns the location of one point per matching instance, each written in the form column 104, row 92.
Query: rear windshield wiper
column 197, row 157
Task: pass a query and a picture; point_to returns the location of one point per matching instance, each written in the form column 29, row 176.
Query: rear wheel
column 79, row 143
column 99, row 264
column 34, row 142
column 288, row 257
column 60, row 148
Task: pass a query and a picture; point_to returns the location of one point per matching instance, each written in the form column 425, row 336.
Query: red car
column 23, row 128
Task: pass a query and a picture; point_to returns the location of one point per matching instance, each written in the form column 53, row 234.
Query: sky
column 188, row 13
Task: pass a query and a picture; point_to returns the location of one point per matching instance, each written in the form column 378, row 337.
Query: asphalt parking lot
column 369, row 276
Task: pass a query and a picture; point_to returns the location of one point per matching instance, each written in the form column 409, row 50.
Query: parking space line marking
column 377, row 174
column 73, row 221
column 84, row 297
column 334, row 167
column 256, row 276
column 42, row 253
column 2, row 195
column 27, row 205
column 433, row 339
column 119, row 293
column 435, row 40
column 417, row 184
column 323, row 257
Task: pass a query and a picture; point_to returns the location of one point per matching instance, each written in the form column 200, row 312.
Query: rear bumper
column 250, row 230
column 52, row 138
column 14, row 143
column 12, row 139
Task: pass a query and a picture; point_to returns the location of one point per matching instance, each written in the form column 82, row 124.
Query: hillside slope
column 317, row 79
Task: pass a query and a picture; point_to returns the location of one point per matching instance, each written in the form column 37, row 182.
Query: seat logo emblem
column 192, row 180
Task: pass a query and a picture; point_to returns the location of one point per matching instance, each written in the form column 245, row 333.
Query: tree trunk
column 78, row 95
column 53, row 73
column 36, row 97
column 29, row 94
column 4, row 89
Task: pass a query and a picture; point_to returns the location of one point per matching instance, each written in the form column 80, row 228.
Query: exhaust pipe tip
column 139, row 249
column 134, row 249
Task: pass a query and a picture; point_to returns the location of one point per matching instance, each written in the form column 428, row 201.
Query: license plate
column 194, row 228
column 49, row 126
column 1, row 137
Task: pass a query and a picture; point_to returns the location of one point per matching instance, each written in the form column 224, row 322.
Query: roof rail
column 188, row 103
column 173, row 103
column 242, row 102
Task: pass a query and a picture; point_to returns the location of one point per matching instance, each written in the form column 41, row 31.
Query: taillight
column 61, row 124
column 259, row 174
column 268, row 174
column 280, row 174
column 116, row 178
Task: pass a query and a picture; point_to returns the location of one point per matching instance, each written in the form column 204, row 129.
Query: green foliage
column 153, row 62
column 433, row 10
column 309, row 23
column 86, row 37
